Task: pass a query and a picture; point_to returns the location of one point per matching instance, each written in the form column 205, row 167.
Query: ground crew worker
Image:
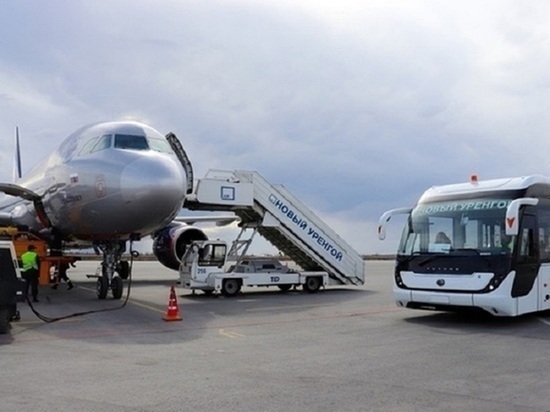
column 30, row 263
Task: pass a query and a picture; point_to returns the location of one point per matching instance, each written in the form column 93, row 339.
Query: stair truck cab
column 481, row 244
column 203, row 264
column 11, row 286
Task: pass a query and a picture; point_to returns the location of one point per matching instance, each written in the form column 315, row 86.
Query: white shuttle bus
column 482, row 244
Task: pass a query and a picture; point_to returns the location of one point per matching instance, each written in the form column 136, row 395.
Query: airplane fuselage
column 106, row 181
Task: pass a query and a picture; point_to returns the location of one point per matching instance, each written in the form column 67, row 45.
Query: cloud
column 355, row 106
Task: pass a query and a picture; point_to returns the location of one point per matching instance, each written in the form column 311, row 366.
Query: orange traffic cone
column 173, row 313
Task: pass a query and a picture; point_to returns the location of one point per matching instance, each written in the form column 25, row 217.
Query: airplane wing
column 5, row 219
column 26, row 194
column 218, row 220
column 18, row 191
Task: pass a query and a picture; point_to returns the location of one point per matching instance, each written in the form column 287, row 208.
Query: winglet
column 17, row 158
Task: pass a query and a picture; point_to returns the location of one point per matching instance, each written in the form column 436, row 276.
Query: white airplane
column 107, row 184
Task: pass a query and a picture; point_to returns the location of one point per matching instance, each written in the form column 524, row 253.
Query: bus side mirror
column 512, row 214
column 385, row 218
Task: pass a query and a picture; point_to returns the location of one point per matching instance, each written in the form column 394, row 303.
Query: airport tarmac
column 342, row 349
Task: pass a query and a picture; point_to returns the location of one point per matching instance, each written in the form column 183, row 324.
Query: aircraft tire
column 312, row 285
column 117, row 287
column 231, row 287
column 123, row 269
column 102, row 287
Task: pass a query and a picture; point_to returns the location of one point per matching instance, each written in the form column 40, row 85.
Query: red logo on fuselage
column 100, row 187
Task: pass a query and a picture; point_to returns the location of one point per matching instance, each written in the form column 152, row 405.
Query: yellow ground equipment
column 21, row 241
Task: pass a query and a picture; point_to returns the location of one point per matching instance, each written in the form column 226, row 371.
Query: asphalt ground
column 342, row 349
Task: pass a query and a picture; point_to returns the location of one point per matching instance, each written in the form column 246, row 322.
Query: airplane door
column 527, row 264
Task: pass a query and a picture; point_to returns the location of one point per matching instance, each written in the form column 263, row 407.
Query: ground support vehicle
column 203, row 265
column 12, row 287
column 282, row 219
column 481, row 244
column 48, row 270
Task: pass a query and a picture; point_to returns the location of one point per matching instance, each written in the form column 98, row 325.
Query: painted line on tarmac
column 86, row 288
column 40, row 322
column 142, row 305
column 317, row 305
column 546, row 322
column 231, row 335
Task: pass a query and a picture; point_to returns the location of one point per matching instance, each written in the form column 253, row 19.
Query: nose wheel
column 102, row 287
column 116, row 287
column 112, row 269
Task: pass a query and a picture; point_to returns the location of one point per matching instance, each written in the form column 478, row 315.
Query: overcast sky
column 355, row 106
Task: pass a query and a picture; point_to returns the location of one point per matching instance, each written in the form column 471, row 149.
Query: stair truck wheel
column 312, row 285
column 231, row 287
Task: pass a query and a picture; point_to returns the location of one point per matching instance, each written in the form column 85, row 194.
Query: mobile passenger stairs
column 283, row 220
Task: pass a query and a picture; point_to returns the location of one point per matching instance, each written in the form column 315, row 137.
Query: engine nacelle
column 171, row 243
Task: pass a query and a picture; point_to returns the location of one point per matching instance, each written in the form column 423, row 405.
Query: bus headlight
column 398, row 280
column 495, row 282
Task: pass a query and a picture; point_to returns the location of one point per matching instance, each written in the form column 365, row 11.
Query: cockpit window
column 160, row 145
column 95, row 144
column 103, row 143
column 131, row 142
column 88, row 146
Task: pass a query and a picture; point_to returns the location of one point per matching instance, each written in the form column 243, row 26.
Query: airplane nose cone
column 154, row 189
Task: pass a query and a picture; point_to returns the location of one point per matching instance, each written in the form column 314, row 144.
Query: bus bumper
column 497, row 303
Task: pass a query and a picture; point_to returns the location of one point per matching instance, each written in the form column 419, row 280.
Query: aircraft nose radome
column 153, row 188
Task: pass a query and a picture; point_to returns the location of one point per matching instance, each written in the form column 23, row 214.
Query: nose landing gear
column 112, row 269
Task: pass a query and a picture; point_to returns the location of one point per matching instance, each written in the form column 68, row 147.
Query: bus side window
column 527, row 249
column 544, row 233
column 543, row 244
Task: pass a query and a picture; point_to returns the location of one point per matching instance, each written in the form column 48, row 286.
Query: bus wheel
column 312, row 285
column 231, row 287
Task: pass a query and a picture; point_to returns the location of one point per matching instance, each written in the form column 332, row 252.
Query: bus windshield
column 472, row 225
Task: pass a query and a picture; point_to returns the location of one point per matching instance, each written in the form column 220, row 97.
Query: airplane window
column 160, row 145
column 88, row 146
column 104, row 142
column 132, row 142
column 95, row 144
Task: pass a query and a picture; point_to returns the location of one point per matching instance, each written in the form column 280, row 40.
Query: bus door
column 527, row 263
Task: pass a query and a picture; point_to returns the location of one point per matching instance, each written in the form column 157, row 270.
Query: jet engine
column 171, row 243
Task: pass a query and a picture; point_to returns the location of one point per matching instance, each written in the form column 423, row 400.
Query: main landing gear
column 112, row 270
